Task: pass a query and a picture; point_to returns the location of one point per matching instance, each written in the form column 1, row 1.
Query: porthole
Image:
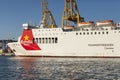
column 106, row 32
column 76, row 33
column 95, row 32
column 102, row 32
column 84, row 33
column 98, row 32
column 87, row 33
column 91, row 32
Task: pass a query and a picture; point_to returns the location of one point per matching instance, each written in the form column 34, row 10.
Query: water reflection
column 37, row 68
column 69, row 69
column 27, row 68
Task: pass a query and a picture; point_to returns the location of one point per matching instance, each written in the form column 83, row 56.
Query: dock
column 6, row 54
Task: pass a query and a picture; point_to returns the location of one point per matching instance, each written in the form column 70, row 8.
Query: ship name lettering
column 26, row 42
column 100, row 44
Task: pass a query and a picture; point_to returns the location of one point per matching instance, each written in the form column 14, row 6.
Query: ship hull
column 97, row 43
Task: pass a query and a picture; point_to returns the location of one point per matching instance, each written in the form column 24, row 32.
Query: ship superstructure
column 83, row 39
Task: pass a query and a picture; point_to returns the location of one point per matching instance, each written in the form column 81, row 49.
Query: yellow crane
column 47, row 17
column 71, row 13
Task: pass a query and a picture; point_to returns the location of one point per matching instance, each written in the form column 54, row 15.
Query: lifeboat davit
column 104, row 23
column 85, row 24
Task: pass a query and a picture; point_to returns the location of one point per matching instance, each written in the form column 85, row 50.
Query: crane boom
column 71, row 13
column 47, row 17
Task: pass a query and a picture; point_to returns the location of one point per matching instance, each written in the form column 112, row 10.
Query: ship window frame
column 107, row 32
column 56, row 40
column 39, row 40
column 83, row 33
column 52, row 40
column 46, row 40
column 33, row 40
column 98, row 32
column 76, row 33
column 87, row 33
column 95, row 33
column 43, row 40
column 103, row 32
column 91, row 33
column 36, row 40
column 80, row 33
column 49, row 40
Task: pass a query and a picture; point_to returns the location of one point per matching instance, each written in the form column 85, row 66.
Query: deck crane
column 71, row 13
column 47, row 17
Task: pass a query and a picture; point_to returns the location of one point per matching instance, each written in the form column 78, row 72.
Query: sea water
column 40, row 68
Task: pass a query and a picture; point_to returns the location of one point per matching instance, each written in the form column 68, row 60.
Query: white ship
column 86, row 39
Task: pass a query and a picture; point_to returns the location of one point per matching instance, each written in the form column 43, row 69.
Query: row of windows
column 45, row 40
column 88, row 33
column 81, row 33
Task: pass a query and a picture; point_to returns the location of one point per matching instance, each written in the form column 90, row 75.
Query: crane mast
column 47, row 17
column 71, row 14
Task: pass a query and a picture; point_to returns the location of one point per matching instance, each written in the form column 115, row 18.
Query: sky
column 13, row 13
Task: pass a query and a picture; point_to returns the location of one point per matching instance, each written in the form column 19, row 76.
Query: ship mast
column 71, row 14
column 47, row 17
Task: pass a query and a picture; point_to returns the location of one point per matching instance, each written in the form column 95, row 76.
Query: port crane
column 71, row 14
column 47, row 17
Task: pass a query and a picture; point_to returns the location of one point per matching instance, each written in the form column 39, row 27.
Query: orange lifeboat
column 68, row 27
column 104, row 23
column 86, row 24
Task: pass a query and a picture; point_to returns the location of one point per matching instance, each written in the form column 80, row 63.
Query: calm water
column 36, row 68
